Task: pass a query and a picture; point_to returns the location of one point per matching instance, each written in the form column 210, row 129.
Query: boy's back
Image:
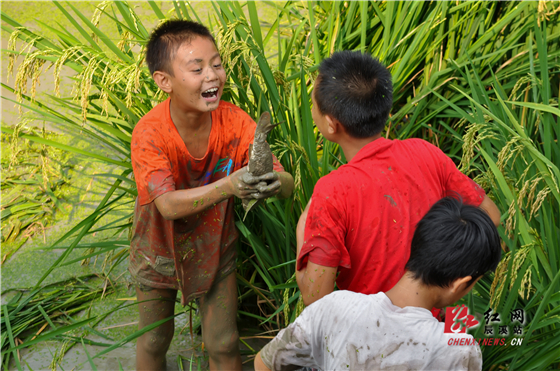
column 360, row 219
column 352, row 331
column 362, row 216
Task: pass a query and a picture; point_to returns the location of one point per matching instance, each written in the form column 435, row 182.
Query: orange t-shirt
column 186, row 253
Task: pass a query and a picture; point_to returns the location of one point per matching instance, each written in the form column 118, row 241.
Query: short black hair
column 166, row 39
column 453, row 240
column 356, row 89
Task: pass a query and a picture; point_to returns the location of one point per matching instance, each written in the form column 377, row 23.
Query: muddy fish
column 260, row 155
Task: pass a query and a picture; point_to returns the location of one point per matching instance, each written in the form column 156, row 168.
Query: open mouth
column 210, row 93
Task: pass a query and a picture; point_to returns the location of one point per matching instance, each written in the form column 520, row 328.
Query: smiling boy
column 189, row 155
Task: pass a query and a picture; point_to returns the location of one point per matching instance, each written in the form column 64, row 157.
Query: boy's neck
column 351, row 146
column 409, row 292
column 186, row 121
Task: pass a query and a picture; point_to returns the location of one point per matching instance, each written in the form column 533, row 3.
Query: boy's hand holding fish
column 246, row 186
column 266, row 185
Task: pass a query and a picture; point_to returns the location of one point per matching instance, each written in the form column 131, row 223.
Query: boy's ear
column 461, row 284
column 163, row 81
column 334, row 126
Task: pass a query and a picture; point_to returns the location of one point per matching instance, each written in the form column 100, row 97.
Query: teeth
column 211, row 90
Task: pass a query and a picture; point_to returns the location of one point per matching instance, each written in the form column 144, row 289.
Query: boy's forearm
column 187, row 202
column 315, row 282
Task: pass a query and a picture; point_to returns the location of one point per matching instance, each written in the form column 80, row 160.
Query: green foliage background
column 478, row 79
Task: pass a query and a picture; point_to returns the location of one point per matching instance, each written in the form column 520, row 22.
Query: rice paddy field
column 480, row 80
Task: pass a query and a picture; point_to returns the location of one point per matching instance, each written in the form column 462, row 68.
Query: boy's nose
column 211, row 75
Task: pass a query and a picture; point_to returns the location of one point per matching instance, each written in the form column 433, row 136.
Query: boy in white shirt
column 453, row 246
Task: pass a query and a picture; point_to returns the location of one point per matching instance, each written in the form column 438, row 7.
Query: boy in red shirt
column 361, row 217
column 189, row 155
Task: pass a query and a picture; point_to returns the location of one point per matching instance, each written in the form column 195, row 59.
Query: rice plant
column 34, row 180
column 470, row 77
column 511, row 141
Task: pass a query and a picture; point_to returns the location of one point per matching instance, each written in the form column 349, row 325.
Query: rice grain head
column 66, row 55
column 525, row 286
column 506, row 153
column 518, row 261
column 30, row 68
column 511, row 221
column 12, row 41
column 499, row 281
column 99, row 9
column 538, row 201
column 474, row 134
column 532, row 190
column 86, row 82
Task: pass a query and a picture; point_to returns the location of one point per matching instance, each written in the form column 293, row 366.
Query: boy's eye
column 218, row 65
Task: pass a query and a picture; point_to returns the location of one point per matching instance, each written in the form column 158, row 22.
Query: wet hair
column 166, row 39
column 356, row 89
column 453, row 240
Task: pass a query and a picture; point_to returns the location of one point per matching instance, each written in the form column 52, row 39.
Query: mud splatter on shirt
column 369, row 333
column 189, row 253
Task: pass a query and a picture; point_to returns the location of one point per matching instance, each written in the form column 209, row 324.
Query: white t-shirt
column 351, row 331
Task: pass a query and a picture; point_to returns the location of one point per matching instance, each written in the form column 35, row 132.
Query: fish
column 260, row 156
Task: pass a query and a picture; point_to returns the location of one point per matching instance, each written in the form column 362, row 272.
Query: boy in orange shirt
column 189, row 155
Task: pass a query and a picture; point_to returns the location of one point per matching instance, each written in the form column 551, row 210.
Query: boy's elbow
column 259, row 364
column 492, row 210
column 165, row 207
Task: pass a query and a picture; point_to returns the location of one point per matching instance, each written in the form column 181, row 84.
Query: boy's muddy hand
column 267, row 190
column 238, row 187
column 267, row 185
column 267, row 178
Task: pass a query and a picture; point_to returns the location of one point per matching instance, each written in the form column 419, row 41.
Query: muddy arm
column 187, row 202
column 314, row 281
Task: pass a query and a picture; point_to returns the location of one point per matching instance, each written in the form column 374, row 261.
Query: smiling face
column 199, row 77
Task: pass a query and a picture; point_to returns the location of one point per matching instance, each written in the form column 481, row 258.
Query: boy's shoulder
column 343, row 299
column 155, row 118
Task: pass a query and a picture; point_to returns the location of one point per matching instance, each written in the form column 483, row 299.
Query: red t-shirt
column 363, row 215
column 187, row 253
